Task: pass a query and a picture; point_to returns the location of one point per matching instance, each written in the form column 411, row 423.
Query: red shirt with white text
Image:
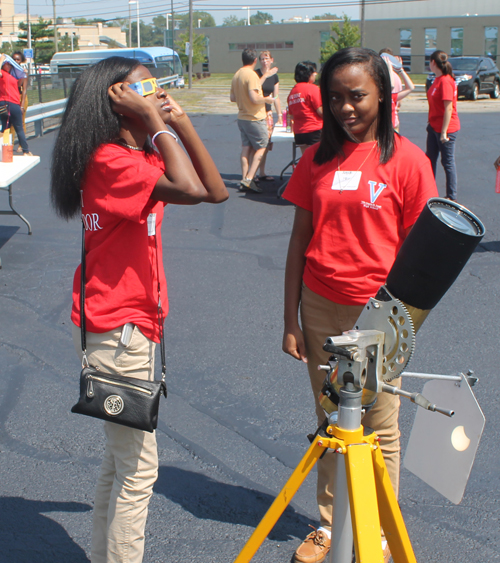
column 122, row 264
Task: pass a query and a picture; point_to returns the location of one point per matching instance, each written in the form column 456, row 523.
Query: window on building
column 405, row 47
column 430, row 44
column 276, row 46
column 491, row 42
column 457, row 41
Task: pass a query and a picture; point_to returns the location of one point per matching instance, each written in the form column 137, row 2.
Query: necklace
column 132, row 147
column 359, row 167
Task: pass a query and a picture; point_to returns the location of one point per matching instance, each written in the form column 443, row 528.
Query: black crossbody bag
column 116, row 398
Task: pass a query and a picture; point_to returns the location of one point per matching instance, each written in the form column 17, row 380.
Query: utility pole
column 55, row 25
column 362, row 23
column 190, row 64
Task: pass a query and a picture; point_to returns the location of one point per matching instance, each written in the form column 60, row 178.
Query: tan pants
column 130, row 465
column 322, row 318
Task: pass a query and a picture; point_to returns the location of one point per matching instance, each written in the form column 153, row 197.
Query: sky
column 220, row 9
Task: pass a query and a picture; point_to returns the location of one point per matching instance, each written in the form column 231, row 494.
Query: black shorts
column 308, row 138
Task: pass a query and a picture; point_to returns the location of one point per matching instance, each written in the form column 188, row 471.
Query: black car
column 474, row 76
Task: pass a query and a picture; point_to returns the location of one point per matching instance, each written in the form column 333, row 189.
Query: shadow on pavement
column 208, row 499
column 6, row 233
column 27, row 535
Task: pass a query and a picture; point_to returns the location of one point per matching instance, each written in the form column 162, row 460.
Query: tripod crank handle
column 416, row 398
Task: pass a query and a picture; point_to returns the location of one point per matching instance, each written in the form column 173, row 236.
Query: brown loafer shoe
column 313, row 549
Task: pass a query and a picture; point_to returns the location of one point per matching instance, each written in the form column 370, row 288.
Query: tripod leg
column 281, row 501
column 390, row 513
column 341, row 541
column 364, row 506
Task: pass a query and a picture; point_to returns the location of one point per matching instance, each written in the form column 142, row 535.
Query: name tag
column 346, row 180
column 151, row 224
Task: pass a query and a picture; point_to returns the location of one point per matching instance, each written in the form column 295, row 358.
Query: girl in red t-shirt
column 443, row 120
column 357, row 193
column 305, row 106
column 105, row 166
column 9, row 97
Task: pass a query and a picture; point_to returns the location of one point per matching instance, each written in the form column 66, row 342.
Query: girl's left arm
column 448, row 110
column 22, row 84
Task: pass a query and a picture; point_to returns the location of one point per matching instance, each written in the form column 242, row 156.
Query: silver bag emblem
column 113, row 405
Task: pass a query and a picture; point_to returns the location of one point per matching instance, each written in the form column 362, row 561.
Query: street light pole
column 247, row 8
column 129, row 27
column 30, row 62
column 55, row 25
column 138, row 23
column 138, row 27
column 190, row 59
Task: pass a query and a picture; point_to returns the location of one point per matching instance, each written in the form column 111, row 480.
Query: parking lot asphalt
column 235, row 423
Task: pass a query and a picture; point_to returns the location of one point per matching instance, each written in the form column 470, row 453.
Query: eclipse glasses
column 145, row 87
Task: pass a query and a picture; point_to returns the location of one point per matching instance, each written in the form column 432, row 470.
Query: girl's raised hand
column 127, row 102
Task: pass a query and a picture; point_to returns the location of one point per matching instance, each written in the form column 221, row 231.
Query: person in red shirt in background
column 9, row 97
column 443, row 120
column 357, row 194
column 305, row 106
column 117, row 164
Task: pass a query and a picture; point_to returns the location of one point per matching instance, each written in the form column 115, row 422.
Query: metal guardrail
column 37, row 113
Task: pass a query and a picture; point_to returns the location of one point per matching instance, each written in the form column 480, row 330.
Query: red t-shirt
column 121, row 261
column 358, row 232
column 9, row 92
column 303, row 101
column 443, row 89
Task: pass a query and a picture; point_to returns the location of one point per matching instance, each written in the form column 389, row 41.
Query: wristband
column 160, row 133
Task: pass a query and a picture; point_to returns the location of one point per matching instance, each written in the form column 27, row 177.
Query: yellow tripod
column 372, row 499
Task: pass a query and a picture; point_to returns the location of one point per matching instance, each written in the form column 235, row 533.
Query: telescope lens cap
column 456, row 217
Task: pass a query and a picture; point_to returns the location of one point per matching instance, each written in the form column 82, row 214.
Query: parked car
column 474, row 76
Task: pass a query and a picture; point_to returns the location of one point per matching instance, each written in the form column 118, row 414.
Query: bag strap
column 83, row 328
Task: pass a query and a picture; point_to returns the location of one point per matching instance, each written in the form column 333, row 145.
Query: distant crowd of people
column 256, row 98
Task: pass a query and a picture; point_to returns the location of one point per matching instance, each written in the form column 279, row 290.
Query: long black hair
column 334, row 132
column 87, row 123
column 440, row 58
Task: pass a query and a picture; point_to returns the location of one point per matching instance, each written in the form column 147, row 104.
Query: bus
column 160, row 61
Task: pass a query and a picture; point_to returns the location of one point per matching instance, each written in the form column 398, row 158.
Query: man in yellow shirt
column 246, row 91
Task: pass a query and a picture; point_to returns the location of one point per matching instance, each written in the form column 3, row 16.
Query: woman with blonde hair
column 270, row 83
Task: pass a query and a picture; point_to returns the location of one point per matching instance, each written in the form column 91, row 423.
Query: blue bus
column 160, row 61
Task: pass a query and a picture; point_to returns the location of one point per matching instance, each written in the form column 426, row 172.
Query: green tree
column 65, row 43
column 207, row 20
column 346, row 36
column 261, row 18
column 42, row 41
column 326, row 16
column 7, row 48
column 233, row 20
column 198, row 47
column 85, row 21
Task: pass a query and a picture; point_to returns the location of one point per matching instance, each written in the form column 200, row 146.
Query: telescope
column 363, row 362
column 382, row 342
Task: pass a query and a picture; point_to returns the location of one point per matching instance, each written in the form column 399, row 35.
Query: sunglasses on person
column 145, row 87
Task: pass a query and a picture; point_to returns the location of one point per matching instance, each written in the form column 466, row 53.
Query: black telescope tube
column 434, row 253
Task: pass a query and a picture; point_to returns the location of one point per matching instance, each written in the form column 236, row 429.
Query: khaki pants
column 130, row 465
column 322, row 318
